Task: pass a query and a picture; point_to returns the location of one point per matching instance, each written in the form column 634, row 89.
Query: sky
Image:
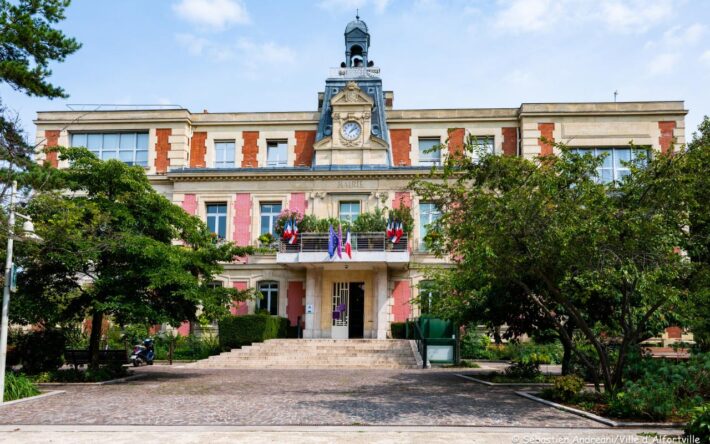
column 274, row 55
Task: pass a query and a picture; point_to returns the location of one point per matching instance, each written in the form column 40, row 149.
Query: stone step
column 285, row 366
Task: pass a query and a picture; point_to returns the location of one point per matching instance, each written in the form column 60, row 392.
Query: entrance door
column 356, row 319
column 341, row 296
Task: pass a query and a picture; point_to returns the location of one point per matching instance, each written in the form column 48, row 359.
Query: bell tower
column 357, row 43
column 352, row 129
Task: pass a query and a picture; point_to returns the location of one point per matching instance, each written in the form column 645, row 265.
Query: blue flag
column 331, row 242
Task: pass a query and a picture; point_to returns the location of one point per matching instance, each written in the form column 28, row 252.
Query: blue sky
column 274, row 55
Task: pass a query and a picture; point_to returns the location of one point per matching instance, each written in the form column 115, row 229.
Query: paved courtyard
column 186, row 396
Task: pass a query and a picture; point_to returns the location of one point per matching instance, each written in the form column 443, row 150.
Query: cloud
column 521, row 16
column 663, row 63
column 705, row 57
column 252, row 55
column 195, row 45
column 683, row 35
column 266, row 53
column 212, row 14
column 334, row 5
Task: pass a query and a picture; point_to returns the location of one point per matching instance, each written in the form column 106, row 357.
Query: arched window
column 356, row 59
column 269, row 297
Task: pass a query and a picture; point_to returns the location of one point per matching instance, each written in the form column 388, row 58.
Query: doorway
column 356, row 321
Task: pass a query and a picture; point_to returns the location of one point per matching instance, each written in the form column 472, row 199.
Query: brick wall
column 304, row 147
column 510, row 141
column 52, row 140
column 162, row 147
column 456, row 140
column 239, row 308
column 401, row 148
column 546, row 131
column 666, row 138
column 294, row 308
column 401, row 295
column 198, row 150
column 250, row 149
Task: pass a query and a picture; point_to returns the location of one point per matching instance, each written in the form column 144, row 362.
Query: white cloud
column 705, row 57
column 195, row 45
column 520, row 16
column 351, row 5
column 268, row 53
column 683, row 35
column 663, row 63
column 213, row 14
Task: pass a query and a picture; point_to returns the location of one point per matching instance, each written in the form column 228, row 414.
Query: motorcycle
column 143, row 353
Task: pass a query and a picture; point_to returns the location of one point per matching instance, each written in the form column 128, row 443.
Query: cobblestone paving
column 174, row 396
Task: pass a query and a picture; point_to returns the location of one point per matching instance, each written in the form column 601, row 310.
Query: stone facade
column 355, row 148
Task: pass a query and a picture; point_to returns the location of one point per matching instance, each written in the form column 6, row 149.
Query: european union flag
column 331, row 242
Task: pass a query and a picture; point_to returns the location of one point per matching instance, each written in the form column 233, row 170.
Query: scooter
column 143, row 354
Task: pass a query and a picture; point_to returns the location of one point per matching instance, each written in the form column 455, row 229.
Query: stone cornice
column 257, row 176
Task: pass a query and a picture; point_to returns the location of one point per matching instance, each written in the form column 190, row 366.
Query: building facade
column 354, row 153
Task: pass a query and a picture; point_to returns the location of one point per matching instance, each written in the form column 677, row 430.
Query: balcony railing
column 355, row 73
column 364, row 242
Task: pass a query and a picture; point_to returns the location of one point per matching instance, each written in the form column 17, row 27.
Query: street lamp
column 27, row 234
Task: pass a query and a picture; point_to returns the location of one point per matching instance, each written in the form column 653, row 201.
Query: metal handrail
column 364, row 242
column 418, row 337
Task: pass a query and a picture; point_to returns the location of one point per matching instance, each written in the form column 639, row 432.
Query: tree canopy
column 546, row 239
column 29, row 42
column 113, row 246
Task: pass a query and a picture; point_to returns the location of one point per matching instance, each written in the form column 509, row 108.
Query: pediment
column 351, row 95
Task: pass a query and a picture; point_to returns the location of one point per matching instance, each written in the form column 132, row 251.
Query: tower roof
column 356, row 24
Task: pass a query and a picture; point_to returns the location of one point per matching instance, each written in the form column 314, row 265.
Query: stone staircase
column 319, row 353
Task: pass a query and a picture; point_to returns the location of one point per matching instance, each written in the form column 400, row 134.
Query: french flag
column 348, row 245
column 294, row 233
column 287, row 230
column 397, row 232
column 389, row 228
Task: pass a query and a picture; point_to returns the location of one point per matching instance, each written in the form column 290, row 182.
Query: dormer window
column 276, row 154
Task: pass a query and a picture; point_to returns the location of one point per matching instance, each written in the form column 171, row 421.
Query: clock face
column 351, row 130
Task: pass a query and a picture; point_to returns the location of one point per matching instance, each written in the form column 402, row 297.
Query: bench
column 82, row 357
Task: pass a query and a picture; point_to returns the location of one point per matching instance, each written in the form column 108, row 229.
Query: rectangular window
column 483, row 144
column 428, row 154
column 217, row 219
column 612, row 168
column 224, row 154
column 269, row 214
column 428, row 213
column 276, row 154
column 349, row 211
column 269, row 297
column 131, row 148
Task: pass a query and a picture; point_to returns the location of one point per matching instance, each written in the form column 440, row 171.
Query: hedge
column 237, row 331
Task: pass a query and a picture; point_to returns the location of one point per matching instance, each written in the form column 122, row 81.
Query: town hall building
column 355, row 152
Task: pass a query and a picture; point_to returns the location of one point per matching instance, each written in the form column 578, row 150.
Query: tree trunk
column 496, row 335
column 566, row 359
column 95, row 340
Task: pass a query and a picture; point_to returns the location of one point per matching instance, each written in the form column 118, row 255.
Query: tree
column 29, row 42
column 113, row 246
column 544, row 235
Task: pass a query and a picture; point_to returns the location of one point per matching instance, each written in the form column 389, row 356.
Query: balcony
column 366, row 247
column 355, row 73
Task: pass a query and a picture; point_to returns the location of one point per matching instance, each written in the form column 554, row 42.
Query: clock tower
column 352, row 130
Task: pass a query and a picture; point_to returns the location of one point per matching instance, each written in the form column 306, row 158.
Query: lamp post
column 28, row 231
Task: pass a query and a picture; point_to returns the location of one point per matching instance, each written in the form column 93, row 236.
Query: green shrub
column 104, row 373
column 18, row 386
column 566, row 388
column 527, row 366
column 658, row 389
column 40, row 351
column 475, row 345
column 699, row 424
column 187, row 348
column 237, row 331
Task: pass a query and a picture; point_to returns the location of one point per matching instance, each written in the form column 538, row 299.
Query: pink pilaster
column 242, row 219
column 294, row 307
column 239, row 308
column 298, row 202
column 189, row 204
column 402, row 198
column 402, row 295
column 184, row 329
